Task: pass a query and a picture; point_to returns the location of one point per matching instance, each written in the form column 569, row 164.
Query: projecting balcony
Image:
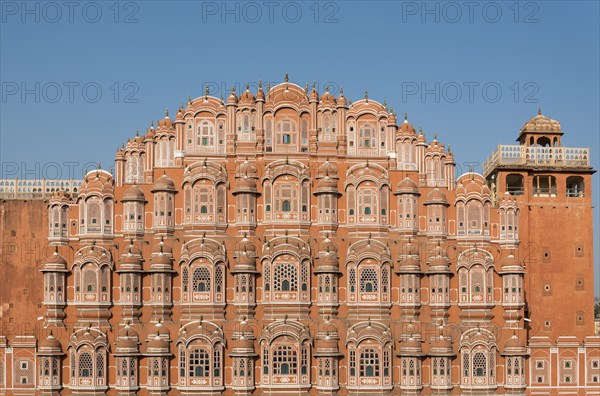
column 534, row 156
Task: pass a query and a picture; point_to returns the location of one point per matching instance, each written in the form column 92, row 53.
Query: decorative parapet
column 36, row 188
column 554, row 157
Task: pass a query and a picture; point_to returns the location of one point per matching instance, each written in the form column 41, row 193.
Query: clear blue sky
column 145, row 56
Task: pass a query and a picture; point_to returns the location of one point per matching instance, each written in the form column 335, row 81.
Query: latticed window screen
column 479, row 364
column 217, row 362
column 413, row 368
column 182, row 363
column 100, row 363
column 477, row 285
column 285, row 197
column 367, row 201
column 304, row 276
column 184, row 279
column 368, row 280
column 327, row 367
column 386, row 362
column 267, row 276
column 384, row 279
column 265, row 361
column 203, row 199
column 351, row 201
column 155, row 367
column 466, row 364
column 286, row 277
column 352, row 279
column 89, row 280
column 199, row 363
column 366, row 135
column 124, row 367
column 219, row 278
column 304, row 362
column 201, row 279
column 85, row 365
column 54, row 367
column 23, row 371
column 46, row 370
column 163, row 367
column 327, row 284
column 369, row 363
column 285, row 360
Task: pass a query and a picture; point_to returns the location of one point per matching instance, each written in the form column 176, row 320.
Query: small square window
column 567, row 364
column 539, row 364
column 540, row 379
column 595, row 364
column 24, row 365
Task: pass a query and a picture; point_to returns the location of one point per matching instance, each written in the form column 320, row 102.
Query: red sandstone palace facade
column 287, row 242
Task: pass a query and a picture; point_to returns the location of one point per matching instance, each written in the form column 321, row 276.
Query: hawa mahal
column 289, row 242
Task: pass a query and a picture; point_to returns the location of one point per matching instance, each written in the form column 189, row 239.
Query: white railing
column 538, row 156
column 36, row 189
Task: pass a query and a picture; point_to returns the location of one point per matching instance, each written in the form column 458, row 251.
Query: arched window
column 205, row 135
column 287, row 132
column 90, row 279
column 367, row 203
column 184, row 279
column 514, row 184
column 474, row 217
column 285, row 360
column 369, row 363
column 86, row 365
column 479, row 365
column 285, row 277
column 199, row 363
column 367, row 136
column 201, row 280
column 575, row 186
column 544, row 186
column 369, row 280
column 286, row 197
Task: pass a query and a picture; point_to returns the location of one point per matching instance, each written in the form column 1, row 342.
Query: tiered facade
column 291, row 243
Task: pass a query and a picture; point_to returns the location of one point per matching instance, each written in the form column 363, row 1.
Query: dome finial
column 326, row 87
column 385, row 104
column 540, row 110
column 306, row 88
column 341, row 90
column 260, row 84
column 190, row 98
column 233, row 90
column 206, row 91
column 166, row 112
column 367, row 96
column 137, row 132
column 405, row 117
column 287, row 79
column 247, row 86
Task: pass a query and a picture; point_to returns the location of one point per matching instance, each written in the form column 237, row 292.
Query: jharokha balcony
column 535, row 156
